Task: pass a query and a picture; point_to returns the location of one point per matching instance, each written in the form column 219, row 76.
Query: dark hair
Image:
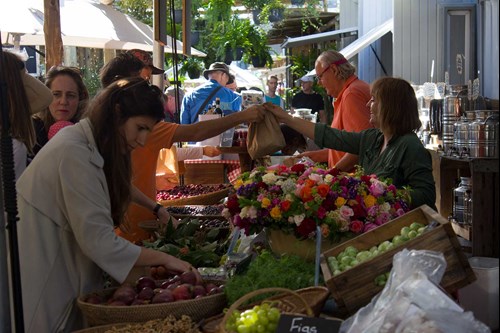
column 121, row 66
column 110, row 109
column 398, row 108
column 83, row 94
column 21, row 126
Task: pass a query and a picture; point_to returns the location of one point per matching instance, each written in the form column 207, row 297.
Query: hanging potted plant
column 272, row 11
column 193, row 67
column 231, row 39
column 255, row 6
column 259, row 53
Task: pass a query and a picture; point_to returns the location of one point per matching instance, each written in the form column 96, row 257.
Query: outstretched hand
column 277, row 111
column 254, row 113
column 174, row 266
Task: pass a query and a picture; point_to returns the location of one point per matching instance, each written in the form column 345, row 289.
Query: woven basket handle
column 244, row 298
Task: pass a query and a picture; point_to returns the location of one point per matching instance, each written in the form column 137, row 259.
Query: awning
column 320, row 37
column 359, row 44
column 86, row 23
column 372, row 35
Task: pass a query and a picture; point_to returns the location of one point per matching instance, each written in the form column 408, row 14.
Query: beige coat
column 66, row 236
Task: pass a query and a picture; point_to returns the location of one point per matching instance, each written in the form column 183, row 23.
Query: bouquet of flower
column 299, row 198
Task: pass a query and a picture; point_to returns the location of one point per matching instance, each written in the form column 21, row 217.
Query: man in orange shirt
column 351, row 113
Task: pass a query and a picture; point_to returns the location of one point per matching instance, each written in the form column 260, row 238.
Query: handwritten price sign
column 299, row 324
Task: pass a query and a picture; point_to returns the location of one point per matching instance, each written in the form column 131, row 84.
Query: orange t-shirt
column 350, row 112
column 144, row 161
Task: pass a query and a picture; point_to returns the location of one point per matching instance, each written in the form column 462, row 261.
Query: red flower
column 306, row 227
column 232, row 205
column 356, row 226
column 359, row 211
column 366, row 180
column 285, row 205
column 298, row 168
column 334, row 172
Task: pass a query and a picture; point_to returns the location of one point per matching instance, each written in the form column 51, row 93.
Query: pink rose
column 369, row 226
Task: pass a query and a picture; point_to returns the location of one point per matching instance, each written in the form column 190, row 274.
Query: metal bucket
column 483, row 137
column 454, row 106
column 461, row 135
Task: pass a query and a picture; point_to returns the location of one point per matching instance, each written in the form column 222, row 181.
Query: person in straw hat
column 197, row 101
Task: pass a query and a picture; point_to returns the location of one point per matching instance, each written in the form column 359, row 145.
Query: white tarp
column 84, row 23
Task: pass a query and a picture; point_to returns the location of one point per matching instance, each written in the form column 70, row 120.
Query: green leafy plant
column 190, row 242
column 231, row 35
column 259, row 54
column 192, row 66
column 267, row 271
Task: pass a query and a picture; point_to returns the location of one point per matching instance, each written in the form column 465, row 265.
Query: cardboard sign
column 299, row 324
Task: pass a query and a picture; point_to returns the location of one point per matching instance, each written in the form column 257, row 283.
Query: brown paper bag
column 265, row 138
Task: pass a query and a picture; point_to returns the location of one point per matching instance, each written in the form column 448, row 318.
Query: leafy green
column 266, row 271
column 189, row 242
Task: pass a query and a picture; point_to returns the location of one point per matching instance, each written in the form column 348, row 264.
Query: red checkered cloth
column 232, row 167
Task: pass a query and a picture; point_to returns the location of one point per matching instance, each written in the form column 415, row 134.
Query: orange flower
column 306, row 193
column 184, row 250
column 323, row 190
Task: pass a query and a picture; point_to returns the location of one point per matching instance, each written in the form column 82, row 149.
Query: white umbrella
column 86, row 23
column 245, row 78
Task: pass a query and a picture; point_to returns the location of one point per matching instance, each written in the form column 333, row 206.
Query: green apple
column 412, row 234
column 405, row 231
column 397, row 240
column 415, row 226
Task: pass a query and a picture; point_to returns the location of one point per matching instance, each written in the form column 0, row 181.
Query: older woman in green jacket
column 392, row 149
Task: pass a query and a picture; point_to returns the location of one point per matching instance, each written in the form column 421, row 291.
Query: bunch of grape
column 260, row 319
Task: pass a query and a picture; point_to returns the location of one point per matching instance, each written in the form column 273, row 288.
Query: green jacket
column 405, row 160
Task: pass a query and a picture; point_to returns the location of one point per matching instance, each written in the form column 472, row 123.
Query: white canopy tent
column 84, row 23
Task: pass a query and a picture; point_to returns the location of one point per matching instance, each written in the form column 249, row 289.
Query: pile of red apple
column 148, row 291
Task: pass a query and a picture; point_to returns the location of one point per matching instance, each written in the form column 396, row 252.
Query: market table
column 246, row 162
column 211, row 171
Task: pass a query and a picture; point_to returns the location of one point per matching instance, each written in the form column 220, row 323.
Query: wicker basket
column 204, row 199
column 288, row 301
column 98, row 314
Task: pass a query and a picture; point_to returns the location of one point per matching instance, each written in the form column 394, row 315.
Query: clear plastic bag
column 411, row 297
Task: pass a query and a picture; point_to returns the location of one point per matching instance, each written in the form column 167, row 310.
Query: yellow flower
column 339, row 202
column 276, row 213
column 370, row 201
column 238, row 183
column 265, row 202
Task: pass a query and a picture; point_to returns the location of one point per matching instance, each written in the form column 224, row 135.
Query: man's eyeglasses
column 338, row 62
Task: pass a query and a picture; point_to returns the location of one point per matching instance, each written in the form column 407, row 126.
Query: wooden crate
column 355, row 287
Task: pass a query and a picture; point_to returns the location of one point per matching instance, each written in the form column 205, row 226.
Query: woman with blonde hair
column 70, row 101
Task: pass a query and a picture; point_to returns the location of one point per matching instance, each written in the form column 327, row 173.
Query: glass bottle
column 218, row 110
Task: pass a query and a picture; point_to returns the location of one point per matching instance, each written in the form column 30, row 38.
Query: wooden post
column 52, row 32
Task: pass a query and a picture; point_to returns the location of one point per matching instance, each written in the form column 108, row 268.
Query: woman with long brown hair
column 73, row 195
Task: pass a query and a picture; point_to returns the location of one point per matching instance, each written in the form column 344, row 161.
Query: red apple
column 145, row 294
column 199, row 290
column 145, row 281
column 125, row 294
column 188, row 277
column 209, row 286
column 164, row 296
column 183, row 292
